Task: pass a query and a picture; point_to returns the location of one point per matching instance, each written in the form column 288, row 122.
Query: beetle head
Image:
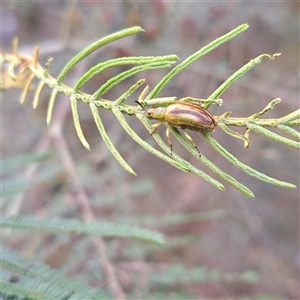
column 153, row 112
column 156, row 113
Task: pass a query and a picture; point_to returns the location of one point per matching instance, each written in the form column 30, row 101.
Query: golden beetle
column 185, row 115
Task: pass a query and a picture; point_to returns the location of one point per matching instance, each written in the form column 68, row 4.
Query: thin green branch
column 244, row 122
column 269, row 107
column 235, row 134
column 254, row 123
column 119, row 108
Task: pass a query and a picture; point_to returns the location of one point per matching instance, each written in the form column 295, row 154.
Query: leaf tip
column 222, row 187
column 128, row 168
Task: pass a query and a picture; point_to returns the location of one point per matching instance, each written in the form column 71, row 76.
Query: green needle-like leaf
column 108, row 141
column 226, row 177
column 131, row 90
column 166, row 148
column 126, row 74
column 292, row 132
column 145, row 145
column 90, row 49
column 51, row 106
column 117, row 62
column 274, row 136
column 58, row 225
column 77, row 124
column 188, row 61
column 234, row 77
column 118, row 107
column 248, row 170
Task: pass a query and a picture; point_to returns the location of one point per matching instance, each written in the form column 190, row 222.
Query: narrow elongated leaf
column 108, row 141
column 13, row 163
column 40, row 282
column 274, row 136
column 177, row 158
column 192, row 58
column 122, row 61
column 248, row 170
column 129, row 73
column 90, row 49
column 238, row 74
column 77, row 124
column 226, row 177
column 141, row 142
column 58, row 225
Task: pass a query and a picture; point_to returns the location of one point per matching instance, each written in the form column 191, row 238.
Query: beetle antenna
column 139, row 103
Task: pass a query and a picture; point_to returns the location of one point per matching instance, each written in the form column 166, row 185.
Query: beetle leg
column 188, row 137
column 168, row 138
column 154, row 127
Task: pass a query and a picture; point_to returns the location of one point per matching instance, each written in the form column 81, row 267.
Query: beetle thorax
column 157, row 113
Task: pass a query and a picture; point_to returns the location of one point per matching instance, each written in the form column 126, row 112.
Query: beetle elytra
column 184, row 115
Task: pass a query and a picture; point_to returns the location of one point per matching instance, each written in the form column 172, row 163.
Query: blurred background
column 231, row 234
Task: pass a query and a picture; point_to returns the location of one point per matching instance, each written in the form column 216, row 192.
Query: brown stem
column 62, row 109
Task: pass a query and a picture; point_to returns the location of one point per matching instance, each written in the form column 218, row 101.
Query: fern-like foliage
column 30, row 68
column 26, row 279
column 100, row 228
column 9, row 184
column 176, row 219
column 179, row 274
column 13, row 163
